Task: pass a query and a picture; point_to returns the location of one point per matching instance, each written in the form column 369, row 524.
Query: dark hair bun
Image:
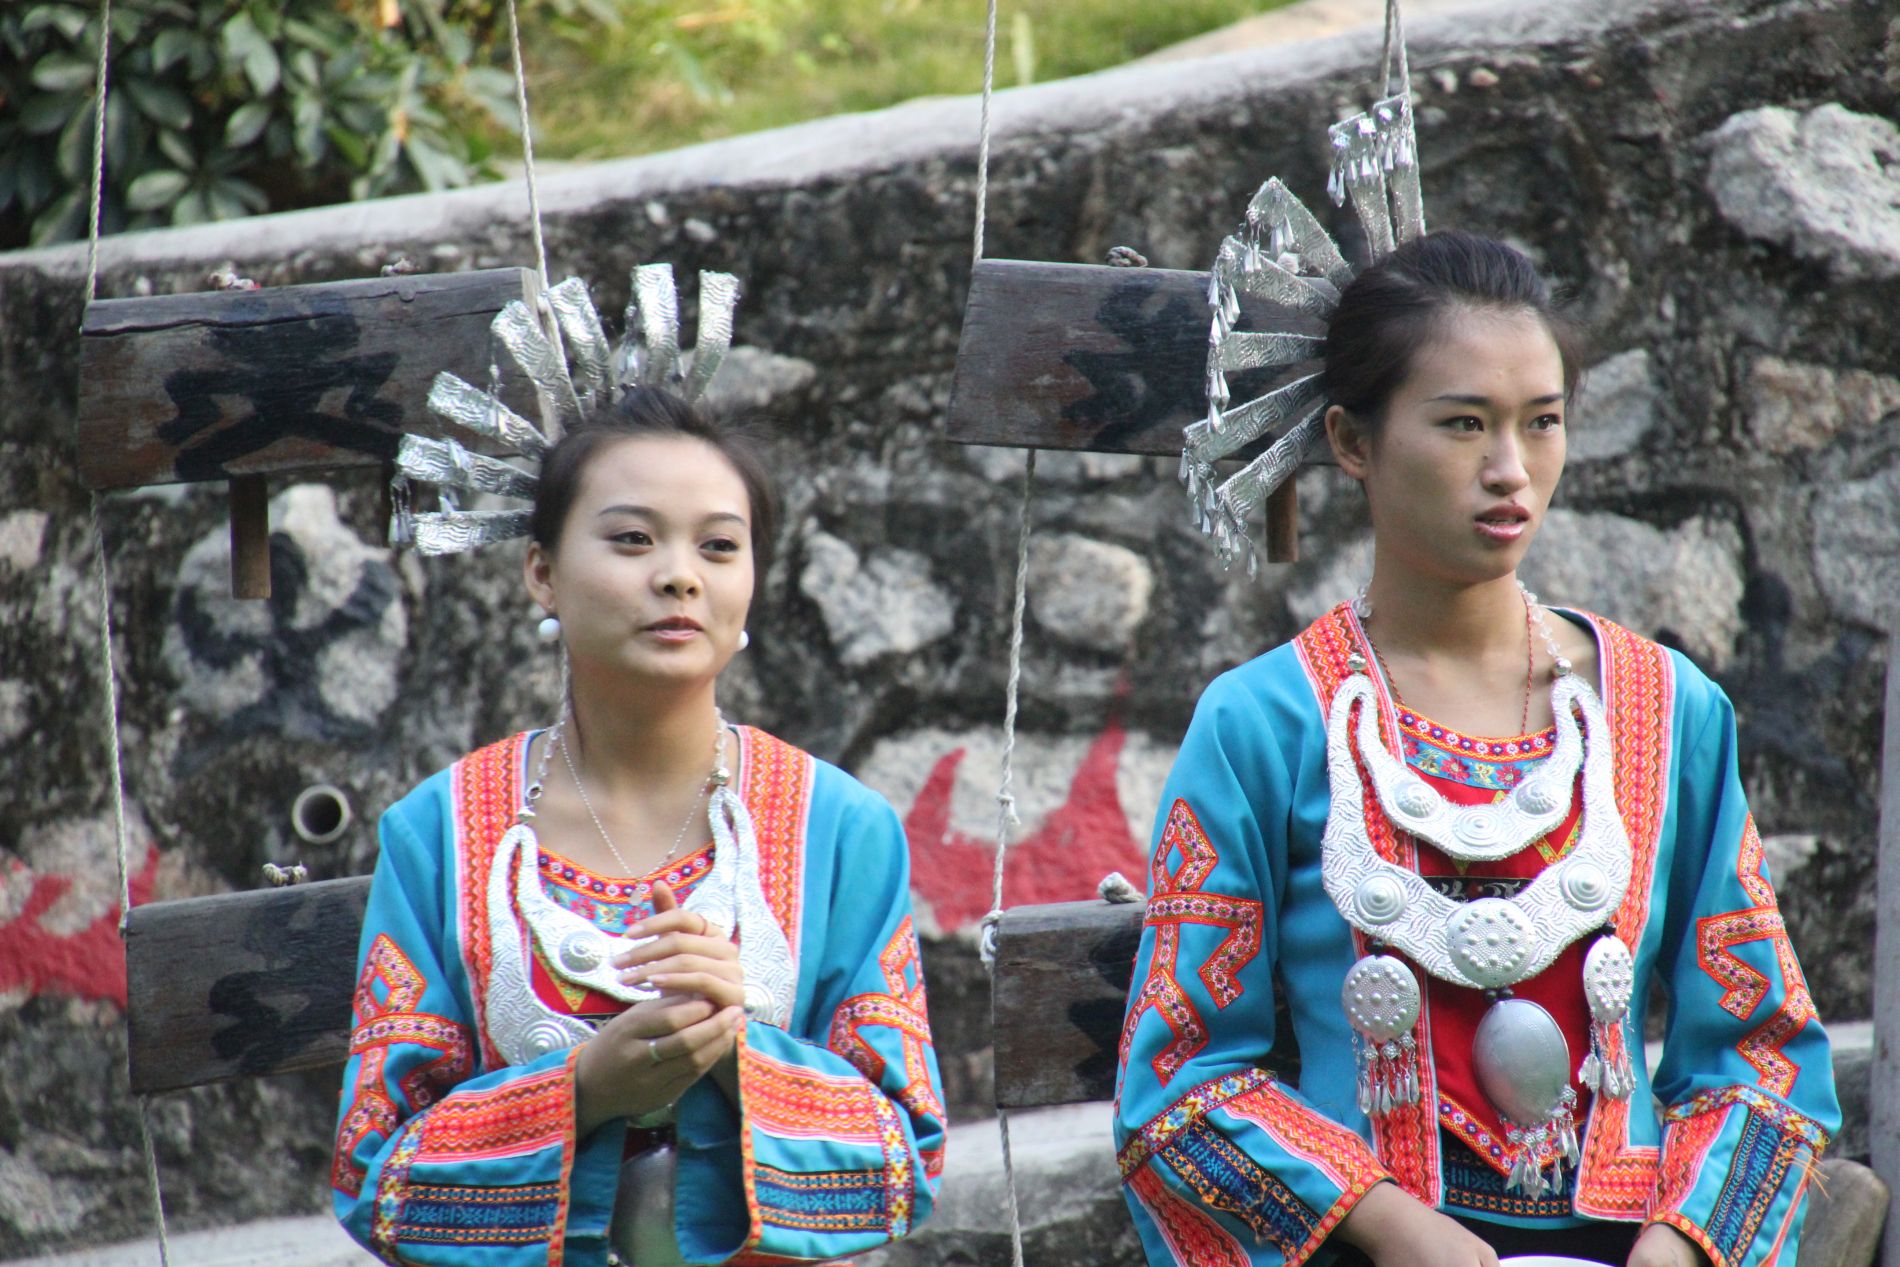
column 1387, row 313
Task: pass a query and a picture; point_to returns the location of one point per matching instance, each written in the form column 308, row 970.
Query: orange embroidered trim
column 903, row 1009
column 796, row 1103
column 1192, row 1235
column 512, row 1120
column 1686, row 1145
column 1177, row 899
column 487, row 794
column 1339, row 1154
column 775, row 782
column 380, row 1025
column 1184, row 1112
column 570, row 1143
column 1744, row 986
column 1405, row 1139
column 571, row 876
column 1617, row 1179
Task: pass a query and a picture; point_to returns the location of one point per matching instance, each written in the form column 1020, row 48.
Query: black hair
column 1387, row 313
column 640, row 413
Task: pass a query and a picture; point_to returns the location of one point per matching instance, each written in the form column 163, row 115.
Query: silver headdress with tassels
column 574, row 371
column 1283, row 255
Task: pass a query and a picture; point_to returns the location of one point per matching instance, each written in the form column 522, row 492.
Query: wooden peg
column 250, row 537
column 1283, row 523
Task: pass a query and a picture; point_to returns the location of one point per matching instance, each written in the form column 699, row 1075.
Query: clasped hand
column 646, row 1057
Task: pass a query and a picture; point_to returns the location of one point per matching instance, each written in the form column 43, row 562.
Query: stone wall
column 1717, row 183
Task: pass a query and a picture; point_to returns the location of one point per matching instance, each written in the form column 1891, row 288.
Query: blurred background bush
column 227, row 108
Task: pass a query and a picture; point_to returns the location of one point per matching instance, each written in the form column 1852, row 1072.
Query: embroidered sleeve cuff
column 1253, row 1155
column 591, row 1171
column 821, row 1165
column 1733, row 1176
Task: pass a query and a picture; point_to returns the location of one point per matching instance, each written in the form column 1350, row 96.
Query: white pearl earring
column 549, row 630
column 745, row 639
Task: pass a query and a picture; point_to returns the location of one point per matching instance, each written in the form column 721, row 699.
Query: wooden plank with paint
column 1883, row 1095
column 241, row 984
column 181, row 388
column 1081, row 356
column 1061, row 987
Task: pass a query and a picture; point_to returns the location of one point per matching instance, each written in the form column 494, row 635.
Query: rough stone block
column 1824, row 183
column 1847, row 1208
column 1088, row 592
column 1793, row 406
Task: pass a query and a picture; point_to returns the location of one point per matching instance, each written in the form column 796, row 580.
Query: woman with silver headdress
column 641, row 987
column 1468, row 832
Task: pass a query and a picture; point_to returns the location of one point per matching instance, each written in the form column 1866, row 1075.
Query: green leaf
column 435, row 168
column 246, row 47
column 74, row 154
column 63, row 72
column 245, row 123
column 156, row 189
column 169, row 46
column 191, row 209
column 178, row 149
column 35, row 181
column 305, row 68
column 350, row 145
column 68, row 21
column 306, row 113
column 249, row 199
column 40, row 116
column 383, row 160
column 63, row 221
column 309, row 35
column 161, row 103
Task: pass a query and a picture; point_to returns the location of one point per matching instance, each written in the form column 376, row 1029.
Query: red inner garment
column 1467, row 770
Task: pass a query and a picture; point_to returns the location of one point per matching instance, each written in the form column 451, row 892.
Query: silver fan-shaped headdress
column 574, row 372
column 1282, row 255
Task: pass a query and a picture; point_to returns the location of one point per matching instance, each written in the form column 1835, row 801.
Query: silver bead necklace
column 558, row 735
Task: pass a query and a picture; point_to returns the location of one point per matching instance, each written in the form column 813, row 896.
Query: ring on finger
column 653, row 1052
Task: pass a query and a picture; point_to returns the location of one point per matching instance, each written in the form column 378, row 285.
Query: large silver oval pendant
column 1522, row 1061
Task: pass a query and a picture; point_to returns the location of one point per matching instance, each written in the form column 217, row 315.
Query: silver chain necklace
column 559, row 736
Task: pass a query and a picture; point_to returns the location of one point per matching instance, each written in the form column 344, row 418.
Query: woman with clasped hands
column 642, row 986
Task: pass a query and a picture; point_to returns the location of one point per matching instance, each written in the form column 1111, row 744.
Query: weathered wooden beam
column 1283, row 524
column 1079, row 356
column 249, row 984
column 1061, row 987
column 179, row 388
column 242, row 984
column 1883, row 1096
column 250, row 537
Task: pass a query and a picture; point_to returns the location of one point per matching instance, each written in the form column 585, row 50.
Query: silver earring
column 745, row 639
column 549, row 630
column 1362, row 604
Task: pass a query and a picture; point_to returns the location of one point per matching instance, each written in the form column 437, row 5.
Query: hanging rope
column 1394, row 43
column 527, row 145
column 102, row 573
column 1006, row 820
column 983, row 134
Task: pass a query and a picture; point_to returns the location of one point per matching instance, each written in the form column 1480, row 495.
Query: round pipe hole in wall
column 320, row 814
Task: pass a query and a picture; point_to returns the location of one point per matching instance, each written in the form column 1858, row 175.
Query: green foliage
column 223, row 108
column 671, row 72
